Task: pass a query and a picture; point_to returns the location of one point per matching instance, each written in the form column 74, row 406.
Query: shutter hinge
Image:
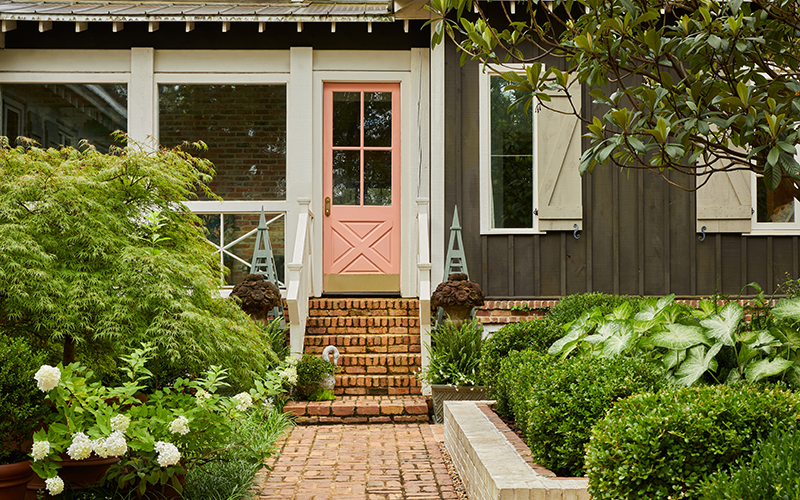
column 536, row 212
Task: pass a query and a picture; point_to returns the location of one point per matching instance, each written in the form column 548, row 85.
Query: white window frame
column 771, row 228
column 485, row 161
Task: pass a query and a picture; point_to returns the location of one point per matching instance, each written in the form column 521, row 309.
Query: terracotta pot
column 14, row 480
column 87, row 472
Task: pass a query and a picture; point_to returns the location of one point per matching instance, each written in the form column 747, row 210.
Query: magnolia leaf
column 697, row 362
column 787, row 309
column 620, row 341
column 763, row 368
column 722, row 326
column 680, row 336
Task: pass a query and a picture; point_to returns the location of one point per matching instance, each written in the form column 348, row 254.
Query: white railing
column 300, row 274
column 424, row 280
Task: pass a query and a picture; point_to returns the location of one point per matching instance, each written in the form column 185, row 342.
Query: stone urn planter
column 441, row 393
column 458, row 296
column 14, row 480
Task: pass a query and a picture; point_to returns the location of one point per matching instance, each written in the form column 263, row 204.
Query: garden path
column 355, row 462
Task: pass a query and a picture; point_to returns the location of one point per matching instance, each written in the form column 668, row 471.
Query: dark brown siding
column 638, row 234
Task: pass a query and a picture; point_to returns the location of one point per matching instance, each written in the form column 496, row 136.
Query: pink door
column 361, row 168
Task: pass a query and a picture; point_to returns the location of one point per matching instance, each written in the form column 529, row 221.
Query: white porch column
column 142, row 97
column 437, row 187
column 299, row 146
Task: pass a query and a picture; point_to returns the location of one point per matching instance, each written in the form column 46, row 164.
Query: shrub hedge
column 664, row 445
column 557, row 402
column 772, row 474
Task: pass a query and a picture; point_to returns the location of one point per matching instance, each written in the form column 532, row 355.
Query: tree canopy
column 99, row 253
column 694, row 86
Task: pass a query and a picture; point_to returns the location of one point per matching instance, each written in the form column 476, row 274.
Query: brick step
column 376, row 385
column 363, row 344
column 368, row 365
column 360, row 410
column 373, row 325
column 363, row 307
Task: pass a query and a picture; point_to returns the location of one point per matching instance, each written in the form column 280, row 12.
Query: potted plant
column 21, row 409
column 148, row 443
column 458, row 296
column 453, row 370
column 315, row 379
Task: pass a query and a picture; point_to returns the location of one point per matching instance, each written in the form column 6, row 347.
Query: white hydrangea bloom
column 289, row 374
column 245, row 401
column 202, row 395
column 99, row 447
column 47, row 377
column 120, row 422
column 115, row 444
column 168, row 454
column 179, row 426
column 81, row 447
column 54, row 485
column 40, row 450
column 268, row 405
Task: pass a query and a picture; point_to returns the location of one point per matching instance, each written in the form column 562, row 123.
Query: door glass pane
column 346, row 177
column 378, row 178
column 244, row 127
column 774, row 206
column 378, row 119
column 512, row 191
column 347, row 119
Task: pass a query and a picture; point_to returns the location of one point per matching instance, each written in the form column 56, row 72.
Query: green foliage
column 322, row 395
column 664, row 445
column 98, row 251
column 21, row 403
column 773, row 472
column 540, row 334
column 455, row 354
column 718, row 82
column 713, row 343
column 556, row 402
column 311, row 372
column 276, row 337
column 517, row 372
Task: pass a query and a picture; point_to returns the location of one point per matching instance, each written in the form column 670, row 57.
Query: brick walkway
column 349, row 462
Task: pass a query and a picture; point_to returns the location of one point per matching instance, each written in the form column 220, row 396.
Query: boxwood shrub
column 772, row 474
column 664, row 445
column 540, row 334
column 556, row 402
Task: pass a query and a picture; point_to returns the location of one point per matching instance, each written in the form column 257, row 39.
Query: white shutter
column 558, row 145
column 724, row 203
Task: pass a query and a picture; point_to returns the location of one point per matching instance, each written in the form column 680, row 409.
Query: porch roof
column 189, row 11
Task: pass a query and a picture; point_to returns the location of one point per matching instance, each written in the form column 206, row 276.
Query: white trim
column 362, row 60
column 485, row 147
column 212, row 62
column 66, row 61
column 771, row 228
column 237, row 207
column 142, row 97
column 437, row 169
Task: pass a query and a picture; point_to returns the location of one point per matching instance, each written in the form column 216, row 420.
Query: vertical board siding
column 638, row 234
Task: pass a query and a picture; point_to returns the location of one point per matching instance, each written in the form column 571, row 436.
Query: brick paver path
column 349, row 462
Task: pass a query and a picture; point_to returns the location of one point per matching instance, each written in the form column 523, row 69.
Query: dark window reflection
column 346, row 118
column 378, row 178
column 777, row 205
column 56, row 115
column 378, row 119
column 512, row 159
column 346, row 178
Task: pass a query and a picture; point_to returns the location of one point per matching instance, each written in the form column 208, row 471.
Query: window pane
column 378, row 119
column 244, row 127
column 236, row 226
column 512, row 191
column 378, row 178
column 347, row 119
column 346, row 177
column 512, row 132
column 64, row 114
column 774, row 206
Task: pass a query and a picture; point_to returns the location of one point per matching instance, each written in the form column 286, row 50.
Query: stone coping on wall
column 491, row 466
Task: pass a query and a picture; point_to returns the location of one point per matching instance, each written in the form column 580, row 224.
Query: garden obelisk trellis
column 264, row 262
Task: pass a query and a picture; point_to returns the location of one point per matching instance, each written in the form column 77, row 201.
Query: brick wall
column 244, row 127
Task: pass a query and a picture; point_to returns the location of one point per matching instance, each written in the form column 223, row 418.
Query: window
column 774, row 211
column 529, row 174
column 62, row 114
